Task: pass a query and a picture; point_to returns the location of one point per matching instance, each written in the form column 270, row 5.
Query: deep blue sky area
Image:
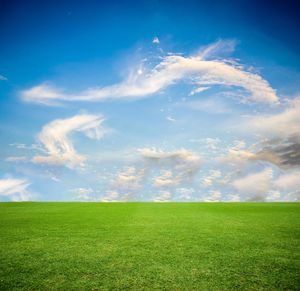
column 91, row 91
column 69, row 30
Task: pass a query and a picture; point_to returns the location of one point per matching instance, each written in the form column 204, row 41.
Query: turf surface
column 150, row 246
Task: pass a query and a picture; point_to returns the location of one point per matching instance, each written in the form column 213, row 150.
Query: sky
column 150, row 101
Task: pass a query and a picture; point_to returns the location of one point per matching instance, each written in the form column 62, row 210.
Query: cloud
column 184, row 163
column 156, row 40
column 290, row 181
column 165, row 179
column 129, row 179
column 185, row 193
column 280, row 135
column 163, row 196
column 214, row 196
column 236, row 157
column 156, row 170
column 208, row 180
column 232, row 198
column 172, row 69
column 111, row 196
column 83, row 194
column 278, row 125
column 255, row 186
column 2, row 78
column 210, row 105
column 16, row 159
column 169, row 118
column 198, row 90
column 15, row 189
column 56, row 141
column 283, row 153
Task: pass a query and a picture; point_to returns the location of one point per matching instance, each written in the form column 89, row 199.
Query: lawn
column 150, row 246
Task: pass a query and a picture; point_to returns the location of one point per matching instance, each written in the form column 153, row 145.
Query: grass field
column 151, row 246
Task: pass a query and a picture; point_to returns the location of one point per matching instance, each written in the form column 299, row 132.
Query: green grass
column 150, row 246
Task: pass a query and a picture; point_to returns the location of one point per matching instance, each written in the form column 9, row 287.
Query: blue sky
column 149, row 101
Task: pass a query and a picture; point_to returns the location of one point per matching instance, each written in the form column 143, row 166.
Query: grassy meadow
column 150, row 246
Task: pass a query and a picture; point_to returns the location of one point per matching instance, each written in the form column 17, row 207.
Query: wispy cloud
column 15, row 189
column 197, row 70
column 55, row 138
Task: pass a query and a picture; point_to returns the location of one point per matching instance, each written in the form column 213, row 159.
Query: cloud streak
column 172, row 69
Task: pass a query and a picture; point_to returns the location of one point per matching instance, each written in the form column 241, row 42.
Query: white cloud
column 170, row 119
column 129, row 179
column 156, row 40
column 236, row 157
column 2, row 78
column 83, row 194
column 256, row 186
column 16, row 159
column 163, row 196
column 15, row 189
column 185, row 164
column 173, row 68
column 279, row 125
column 198, row 90
column 57, row 143
column 185, row 193
column 208, row 180
column 280, row 135
column 111, row 196
column 156, row 169
column 165, row 179
column 211, row 105
column 233, row 198
column 290, row 181
column 273, row 195
column 214, row 196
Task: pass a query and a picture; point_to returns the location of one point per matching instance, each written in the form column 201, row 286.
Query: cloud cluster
column 255, row 186
column 163, row 196
column 209, row 179
column 214, row 196
column 129, row 179
column 184, row 164
column 156, row 171
column 172, row 69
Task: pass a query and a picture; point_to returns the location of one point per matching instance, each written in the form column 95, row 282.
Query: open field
column 173, row 246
